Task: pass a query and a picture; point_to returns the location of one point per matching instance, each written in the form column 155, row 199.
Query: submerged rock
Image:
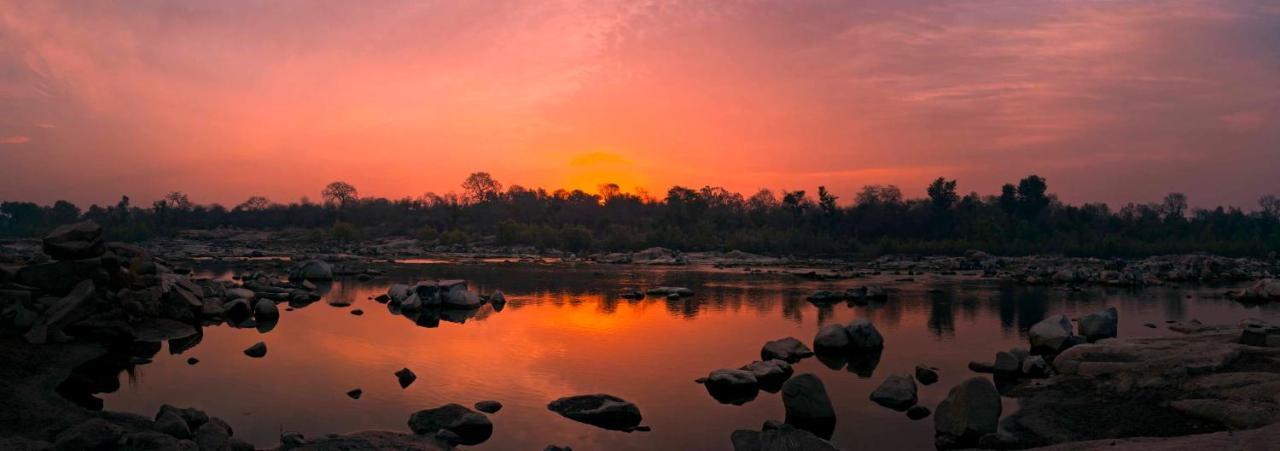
column 787, row 349
column 258, row 350
column 405, row 376
column 807, row 405
column 605, row 411
column 488, row 406
column 470, row 427
column 897, row 392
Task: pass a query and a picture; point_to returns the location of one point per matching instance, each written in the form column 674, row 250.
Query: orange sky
column 1112, row 101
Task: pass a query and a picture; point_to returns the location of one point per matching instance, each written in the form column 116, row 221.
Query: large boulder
column 807, row 405
column 779, row 437
column 897, row 392
column 90, row 435
column 312, row 270
column 605, row 411
column 970, row 410
column 864, row 336
column 770, row 374
column 459, row 297
column 470, row 426
column 1097, row 326
column 832, row 337
column 75, row 241
column 1051, row 335
column 787, row 349
column 66, row 310
column 266, row 311
column 732, row 386
column 398, row 292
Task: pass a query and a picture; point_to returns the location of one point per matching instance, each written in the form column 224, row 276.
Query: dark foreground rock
column 601, row 410
column 971, row 410
column 787, row 349
column 897, row 392
column 778, row 437
column 470, row 427
column 807, row 405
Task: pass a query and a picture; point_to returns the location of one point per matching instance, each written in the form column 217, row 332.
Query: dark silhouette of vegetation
column 1022, row 219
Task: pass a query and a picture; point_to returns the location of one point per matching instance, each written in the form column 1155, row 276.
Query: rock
column 1097, row 326
column 355, row 394
column 864, row 336
column 93, row 434
column 68, row 309
column 258, row 350
column 488, row 406
column 605, row 411
column 770, row 374
column 1035, row 367
column 461, row 298
column 1006, row 364
column 824, row 296
column 557, row 448
column 75, row 241
column 1265, row 290
column 1051, row 335
column 169, row 422
column 241, row 293
column 471, row 427
column 732, row 386
column 192, row 361
column 312, row 270
column 832, row 337
column 497, row 298
column 780, row 437
column 787, row 349
column 216, row 435
column 897, row 392
column 807, row 405
column 665, row 291
column 238, row 310
column 981, row 367
column 970, row 410
column 266, row 310
column 918, row 412
column 927, row 375
column 18, row 443
column 292, row 439
column 150, row 440
column 406, row 377
column 357, row 312
column 58, row 278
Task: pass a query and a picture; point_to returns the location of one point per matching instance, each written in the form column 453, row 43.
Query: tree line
column 1023, row 218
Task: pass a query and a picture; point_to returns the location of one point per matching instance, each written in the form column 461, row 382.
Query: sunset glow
column 1111, row 101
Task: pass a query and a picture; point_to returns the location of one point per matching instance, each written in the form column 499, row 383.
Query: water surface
column 564, row 331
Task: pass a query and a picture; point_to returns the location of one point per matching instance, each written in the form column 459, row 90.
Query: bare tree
column 255, row 203
column 480, row 187
column 340, row 193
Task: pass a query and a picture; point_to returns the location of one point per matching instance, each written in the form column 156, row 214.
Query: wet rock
column 355, row 394
column 75, row 241
column 897, row 392
column 312, row 270
column 497, row 298
column 169, row 422
column 605, row 411
column 471, row 427
column 1050, row 336
column 460, row 298
column 665, row 291
column 292, row 439
column 770, row 374
column 157, row 441
column 238, row 310
column 970, row 410
column 357, row 312
column 927, row 375
column 398, row 292
column 68, row 309
column 266, row 310
column 981, row 367
column 1097, row 326
column 1259, row 333
column 93, row 434
column 732, row 386
column 918, row 412
column 557, row 448
column 787, row 349
column 258, row 350
column 807, row 405
column 405, row 376
column 778, row 437
column 1006, row 364
column 831, row 338
column 192, row 361
column 864, row 336
column 1035, row 367
column 488, row 406
column 241, row 293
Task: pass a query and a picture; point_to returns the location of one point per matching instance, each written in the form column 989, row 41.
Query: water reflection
column 566, row 331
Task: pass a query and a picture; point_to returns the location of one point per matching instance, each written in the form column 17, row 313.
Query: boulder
column 238, row 310
column 927, row 375
column 157, row 441
column 601, row 410
column 1097, row 326
column 1264, row 290
column 497, row 298
column 488, row 406
column 461, row 298
column 918, row 412
column 864, row 336
column 666, row 291
column 355, row 393
column 58, row 278
column 832, row 337
column 897, row 392
column 778, row 437
column 406, row 377
column 1035, row 367
column 258, row 350
column 970, row 410
column 1051, row 335
column 471, row 427
column 312, row 270
column 93, row 434
column 240, row 293
column 169, row 422
column 787, row 349
column 770, row 374
column 732, row 386
column 807, row 405
column 1006, row 364
column 66, row 310
column 266, row 310
column 75, row 241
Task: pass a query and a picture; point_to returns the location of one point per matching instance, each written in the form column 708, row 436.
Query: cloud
column 14, row 139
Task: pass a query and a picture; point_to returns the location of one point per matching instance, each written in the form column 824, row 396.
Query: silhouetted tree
column 480, row 187
column 339, row 193
column 942, row 193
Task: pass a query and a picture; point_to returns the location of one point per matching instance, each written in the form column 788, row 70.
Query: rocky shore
column 76, row 310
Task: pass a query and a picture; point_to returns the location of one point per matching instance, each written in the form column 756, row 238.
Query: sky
column 1111, row 101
